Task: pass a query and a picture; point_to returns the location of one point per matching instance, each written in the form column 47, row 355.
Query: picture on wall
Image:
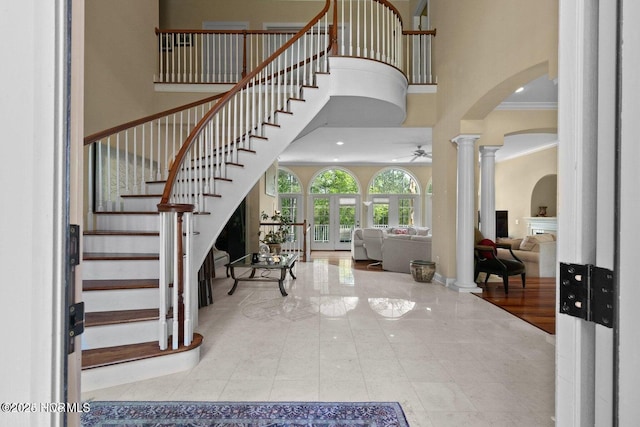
column 270, row 181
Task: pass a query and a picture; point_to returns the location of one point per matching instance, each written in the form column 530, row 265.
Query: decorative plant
column 279, row 231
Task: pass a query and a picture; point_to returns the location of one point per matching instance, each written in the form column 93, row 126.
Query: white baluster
column 188, row 285
column 117, row 202
column 158, row 142
column 176, row 281
column 108, row 163
column 90, row 187
column 162, row 304
column 136, row 188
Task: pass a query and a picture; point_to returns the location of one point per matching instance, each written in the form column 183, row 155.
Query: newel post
column 176, row 258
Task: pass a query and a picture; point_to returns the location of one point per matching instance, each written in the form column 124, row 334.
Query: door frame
column 334, row 212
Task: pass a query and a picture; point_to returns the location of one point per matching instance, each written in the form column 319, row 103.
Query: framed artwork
column 270, row 181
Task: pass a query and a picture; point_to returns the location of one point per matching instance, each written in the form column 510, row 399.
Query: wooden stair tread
column 107, row 256
column 107, row 356
column 119, row 233
column 110, row 284
column 126, row 213
column 100, row 318
column 130, row 196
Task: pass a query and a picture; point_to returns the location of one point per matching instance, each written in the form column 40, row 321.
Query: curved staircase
column 130, row 330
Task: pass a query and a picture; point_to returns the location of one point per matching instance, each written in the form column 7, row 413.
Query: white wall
column 31, row 217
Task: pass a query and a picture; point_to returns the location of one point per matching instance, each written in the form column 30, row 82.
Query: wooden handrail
column 227, row 97
column 419, row 32
column 99, row 135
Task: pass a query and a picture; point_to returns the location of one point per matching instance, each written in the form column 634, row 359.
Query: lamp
column 366, row 204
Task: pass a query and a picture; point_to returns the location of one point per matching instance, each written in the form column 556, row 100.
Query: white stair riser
column 123, row 373
column 125, row 269
column 149, row 222
column 119, row 334
column 121, row 299
column 114, row 244
column 138, row 204
column 154, row 188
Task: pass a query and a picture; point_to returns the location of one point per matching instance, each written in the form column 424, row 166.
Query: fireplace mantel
column 542, row 224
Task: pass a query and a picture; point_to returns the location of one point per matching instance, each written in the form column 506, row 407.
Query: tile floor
column 450, row 359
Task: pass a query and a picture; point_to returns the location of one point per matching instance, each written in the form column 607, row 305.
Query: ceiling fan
column 419, row 152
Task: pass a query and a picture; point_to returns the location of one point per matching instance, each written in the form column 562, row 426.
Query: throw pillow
column 401, row 231
column 486, row 254
column 528, row 243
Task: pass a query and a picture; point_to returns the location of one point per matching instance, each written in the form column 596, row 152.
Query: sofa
column 398, row 250
column 537, row 252
column 399, row 247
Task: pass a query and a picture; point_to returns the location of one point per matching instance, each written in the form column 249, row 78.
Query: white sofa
column 398, row 250
column 399, row 247
column 537, row 252
column 358, row 252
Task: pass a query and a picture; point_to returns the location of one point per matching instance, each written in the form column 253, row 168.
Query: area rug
column 244, row 414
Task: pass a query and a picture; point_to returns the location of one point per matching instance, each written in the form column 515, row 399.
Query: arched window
column 395, row 197
column 334, row 181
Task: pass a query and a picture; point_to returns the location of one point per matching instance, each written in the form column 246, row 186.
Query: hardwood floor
column 535, row 304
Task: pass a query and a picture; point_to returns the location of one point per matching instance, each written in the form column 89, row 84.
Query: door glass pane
column 380, row 212
column 406, row 211
column 289, row 209
column 321, row 220
column 347, row 214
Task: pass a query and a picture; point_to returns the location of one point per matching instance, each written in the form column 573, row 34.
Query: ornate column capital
column 489, row 150
column 463, row 139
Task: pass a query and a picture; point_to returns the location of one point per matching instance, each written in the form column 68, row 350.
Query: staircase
column 131, row 300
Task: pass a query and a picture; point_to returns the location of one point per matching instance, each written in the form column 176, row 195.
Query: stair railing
column 214, row 56
column 123, row 159
column 241, row 116
column 230, row 128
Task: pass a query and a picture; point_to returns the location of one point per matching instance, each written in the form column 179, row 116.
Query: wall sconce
column 367, row 203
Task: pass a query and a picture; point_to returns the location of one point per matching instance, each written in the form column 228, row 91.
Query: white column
column 465, row 214
column 488, row 191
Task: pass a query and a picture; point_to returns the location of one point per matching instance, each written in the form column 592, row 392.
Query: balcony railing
column 365, row 29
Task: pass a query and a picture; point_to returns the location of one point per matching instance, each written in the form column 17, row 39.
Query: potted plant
column 278, row 232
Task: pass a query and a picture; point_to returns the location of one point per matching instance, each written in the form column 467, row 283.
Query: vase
column 422, row 271
column 542, row 211
column 275, row 248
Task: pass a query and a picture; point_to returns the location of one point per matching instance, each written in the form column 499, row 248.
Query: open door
column 596, row 366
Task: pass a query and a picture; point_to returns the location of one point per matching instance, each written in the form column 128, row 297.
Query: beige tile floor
column 450, row 359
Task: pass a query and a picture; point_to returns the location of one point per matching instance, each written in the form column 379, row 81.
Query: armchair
column 487, row 261
column 372, row 243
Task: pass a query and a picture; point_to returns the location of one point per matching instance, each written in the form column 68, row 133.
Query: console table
column 285, row 263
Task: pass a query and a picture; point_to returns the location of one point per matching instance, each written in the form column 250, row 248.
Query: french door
column 334, row 218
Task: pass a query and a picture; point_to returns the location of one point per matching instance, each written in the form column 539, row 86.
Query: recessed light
column 394, row 160
column 339, row 143
column 335, row 160
column 520, row 89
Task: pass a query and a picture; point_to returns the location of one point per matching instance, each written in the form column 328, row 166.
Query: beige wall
column 180, row 14
column 515, row 182
column 484, row 50
column 120, row 60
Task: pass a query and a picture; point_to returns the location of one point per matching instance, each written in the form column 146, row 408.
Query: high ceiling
column 395, row 145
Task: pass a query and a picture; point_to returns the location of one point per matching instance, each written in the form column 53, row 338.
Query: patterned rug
column 244, row 414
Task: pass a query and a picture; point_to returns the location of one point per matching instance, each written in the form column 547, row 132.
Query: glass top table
column 283, row 263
